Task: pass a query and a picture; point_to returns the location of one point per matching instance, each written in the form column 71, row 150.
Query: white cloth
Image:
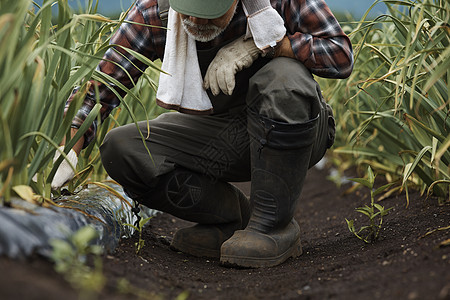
column 181, row 88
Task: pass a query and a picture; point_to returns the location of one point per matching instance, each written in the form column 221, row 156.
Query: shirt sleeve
column 317, row 39
column 120, row 65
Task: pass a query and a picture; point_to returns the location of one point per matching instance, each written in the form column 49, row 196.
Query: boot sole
column 260, row 262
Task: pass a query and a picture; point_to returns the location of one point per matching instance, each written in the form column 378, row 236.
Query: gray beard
column 201, row 33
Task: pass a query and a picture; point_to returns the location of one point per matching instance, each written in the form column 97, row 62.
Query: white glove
column 65, row 171
column 229, row 60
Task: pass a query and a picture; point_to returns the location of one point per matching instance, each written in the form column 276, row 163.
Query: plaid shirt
column 316, row 38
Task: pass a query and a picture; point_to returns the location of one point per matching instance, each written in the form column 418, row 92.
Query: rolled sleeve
column 120, row 64
column 317, row 39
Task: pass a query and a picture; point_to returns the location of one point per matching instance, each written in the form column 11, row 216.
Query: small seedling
column 375, row 212
column 140, row 243
column 70, row 260
column 125, row 287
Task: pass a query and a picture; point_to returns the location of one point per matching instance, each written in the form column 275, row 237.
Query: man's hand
column 230, row 59
column 65, row 171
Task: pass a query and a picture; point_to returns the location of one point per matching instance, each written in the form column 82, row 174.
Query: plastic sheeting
column 30, row 228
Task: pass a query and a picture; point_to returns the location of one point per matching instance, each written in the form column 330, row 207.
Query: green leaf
column 143, row 221
column 409, row 168
column 406, row 172
column 82, row 237
column 433, row 151
column 378, row 206
column 375, row 215
column 442, row 69
column 367, row 211
column 418, row 127
column 362, row 181
column 132, row 226
column 350, row 224
column 386, row 211
column 361, row 151
column 365, row 228
column 183, row 296
column 383, row 188
column 371, row 177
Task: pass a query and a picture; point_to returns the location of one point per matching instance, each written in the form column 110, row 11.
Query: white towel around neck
column 182, row 87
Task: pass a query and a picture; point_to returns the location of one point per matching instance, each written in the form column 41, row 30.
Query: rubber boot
column 280, row 155
column 219, row 207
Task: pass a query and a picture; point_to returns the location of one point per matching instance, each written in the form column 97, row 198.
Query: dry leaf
column 445, row 243
column 25, row 192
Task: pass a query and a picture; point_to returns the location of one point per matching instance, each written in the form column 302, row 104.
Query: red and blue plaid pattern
column 316, row 38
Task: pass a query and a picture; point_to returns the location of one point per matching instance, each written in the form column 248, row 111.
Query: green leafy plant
column 393, row 111
column 70, row 258
column 125, row 287
column 43, row 56
column 140, row 225
column 375, row 212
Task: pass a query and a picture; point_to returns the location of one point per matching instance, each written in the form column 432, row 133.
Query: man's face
column 205, row 30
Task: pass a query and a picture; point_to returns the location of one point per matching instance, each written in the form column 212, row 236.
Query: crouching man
column 248, row 108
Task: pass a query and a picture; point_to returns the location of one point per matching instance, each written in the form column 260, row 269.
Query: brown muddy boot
column 280, row 155
column 219, row 207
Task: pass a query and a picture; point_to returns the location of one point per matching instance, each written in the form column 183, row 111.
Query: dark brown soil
column 404, row 264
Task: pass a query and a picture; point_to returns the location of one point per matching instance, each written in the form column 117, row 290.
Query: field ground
column 404, row 264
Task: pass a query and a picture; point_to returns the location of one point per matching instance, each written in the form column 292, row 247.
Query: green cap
column 205, row 9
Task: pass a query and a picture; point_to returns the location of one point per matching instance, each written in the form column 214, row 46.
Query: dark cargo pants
column 218, row 145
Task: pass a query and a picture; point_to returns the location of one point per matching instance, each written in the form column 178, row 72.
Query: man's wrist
column 78, row 145
column 282, row 48
column 271, row 52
